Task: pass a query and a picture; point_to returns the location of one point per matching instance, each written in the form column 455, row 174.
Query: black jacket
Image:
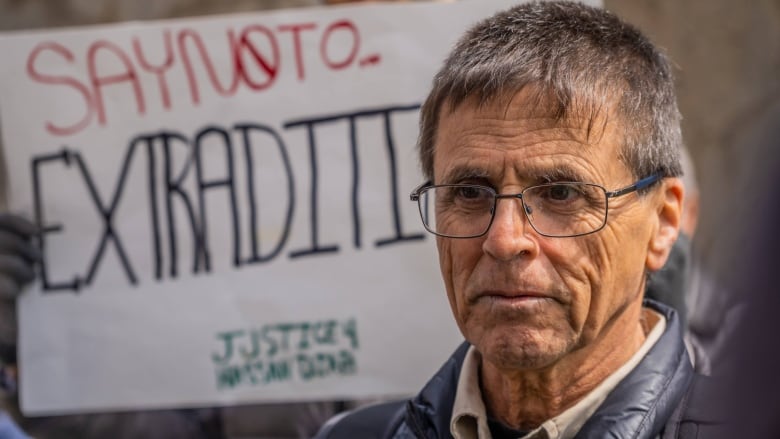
column 645, row 404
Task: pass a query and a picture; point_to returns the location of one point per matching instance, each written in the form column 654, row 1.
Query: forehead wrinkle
column 511, row 142
column 488, row 144
column 517, row 127
column 592, row 119
column 538, row 163
column 513, row 138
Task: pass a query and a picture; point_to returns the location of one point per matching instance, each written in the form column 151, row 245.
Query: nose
column 510, row 235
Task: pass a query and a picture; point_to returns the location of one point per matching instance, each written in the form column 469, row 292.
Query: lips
column 511, row 296
column 514, row 295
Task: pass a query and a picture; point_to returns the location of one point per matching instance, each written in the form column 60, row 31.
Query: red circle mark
column 269, row 66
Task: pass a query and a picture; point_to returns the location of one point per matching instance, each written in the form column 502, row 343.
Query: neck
column 525, row 399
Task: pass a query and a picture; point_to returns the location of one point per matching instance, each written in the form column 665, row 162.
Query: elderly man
column 551, row 145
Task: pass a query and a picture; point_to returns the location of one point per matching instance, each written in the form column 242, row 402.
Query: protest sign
column 224, row 206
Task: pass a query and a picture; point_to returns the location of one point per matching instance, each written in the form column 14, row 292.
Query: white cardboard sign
column 225, row 206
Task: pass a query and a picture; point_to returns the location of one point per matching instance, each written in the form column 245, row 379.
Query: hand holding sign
column 18, row 254
column 18, row 257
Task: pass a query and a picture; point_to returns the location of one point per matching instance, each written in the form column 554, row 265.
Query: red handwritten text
column 255, row 64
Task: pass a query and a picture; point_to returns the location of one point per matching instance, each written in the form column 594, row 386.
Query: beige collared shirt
column 469, row 417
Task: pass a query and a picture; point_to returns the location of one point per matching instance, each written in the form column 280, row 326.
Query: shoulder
column 373, row 421
column 430, row 410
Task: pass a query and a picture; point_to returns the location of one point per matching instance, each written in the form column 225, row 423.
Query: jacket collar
column 428, row 415
column 633, row 411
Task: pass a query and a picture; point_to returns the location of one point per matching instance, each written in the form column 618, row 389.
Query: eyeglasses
column 558, row 210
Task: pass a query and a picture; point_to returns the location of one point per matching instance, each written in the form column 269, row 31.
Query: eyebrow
column 556, row 174
column 462, row 173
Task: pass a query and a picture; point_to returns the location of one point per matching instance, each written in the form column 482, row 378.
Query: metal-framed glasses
column 560, row 210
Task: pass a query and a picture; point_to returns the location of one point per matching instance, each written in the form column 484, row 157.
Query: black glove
column 18, row 254
column 18, row 257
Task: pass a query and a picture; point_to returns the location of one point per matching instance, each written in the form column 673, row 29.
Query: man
column 551, row 144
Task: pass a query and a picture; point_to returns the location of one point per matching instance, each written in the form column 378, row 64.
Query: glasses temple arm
column 639, row 185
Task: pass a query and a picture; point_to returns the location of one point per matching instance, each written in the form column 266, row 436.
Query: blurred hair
column 580, row 63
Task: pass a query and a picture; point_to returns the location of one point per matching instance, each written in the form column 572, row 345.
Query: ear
column 668, row 200
column 690, row 215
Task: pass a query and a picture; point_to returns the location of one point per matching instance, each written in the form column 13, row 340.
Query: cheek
column 614, row 270
column 457, row 259
column 445, row 261
column 600, row 272
column 445, row 265
column 622, row 254
column 573, row 263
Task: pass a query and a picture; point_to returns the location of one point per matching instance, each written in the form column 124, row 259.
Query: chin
column 524, row 349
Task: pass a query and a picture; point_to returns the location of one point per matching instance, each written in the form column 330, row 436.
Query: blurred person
column 712, row 309
column 748, row 394
column 550, row 141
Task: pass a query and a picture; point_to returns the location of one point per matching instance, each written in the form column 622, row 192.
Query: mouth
column 513, row 297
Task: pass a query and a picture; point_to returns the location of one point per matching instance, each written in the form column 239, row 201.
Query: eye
column 561, row 192
column 470, row 198
column 470, row 192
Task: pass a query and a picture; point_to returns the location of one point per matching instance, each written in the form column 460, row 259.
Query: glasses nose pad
column 528, row 209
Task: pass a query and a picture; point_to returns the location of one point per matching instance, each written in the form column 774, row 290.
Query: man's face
column 522, row 299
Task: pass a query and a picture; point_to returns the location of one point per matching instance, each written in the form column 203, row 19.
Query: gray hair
column 578, row 61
